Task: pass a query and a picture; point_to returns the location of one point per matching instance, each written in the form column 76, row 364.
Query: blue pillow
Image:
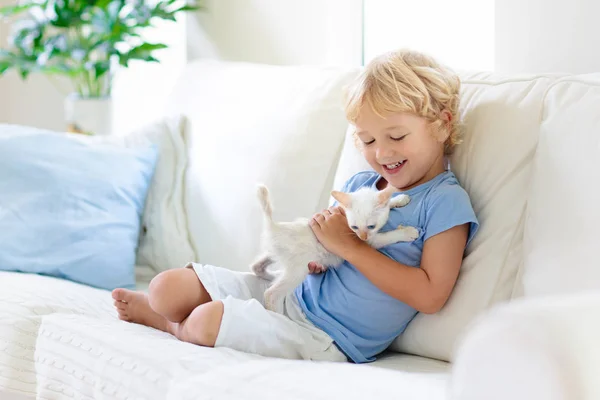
column 70, row 207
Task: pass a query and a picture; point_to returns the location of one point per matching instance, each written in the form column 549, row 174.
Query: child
column 405, row 110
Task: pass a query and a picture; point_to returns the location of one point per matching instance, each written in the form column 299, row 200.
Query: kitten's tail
column 265, row 202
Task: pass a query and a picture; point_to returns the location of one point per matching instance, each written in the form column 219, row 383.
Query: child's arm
column 426, row 288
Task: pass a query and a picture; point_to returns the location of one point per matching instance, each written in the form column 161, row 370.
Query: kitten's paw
column 259, row 267
column 400, row 201
column 269, row 302
column 409, row 232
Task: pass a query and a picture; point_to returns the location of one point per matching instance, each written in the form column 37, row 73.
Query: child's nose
column 383, row 153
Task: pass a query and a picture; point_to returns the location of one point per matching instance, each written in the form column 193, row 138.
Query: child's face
column 400, row 147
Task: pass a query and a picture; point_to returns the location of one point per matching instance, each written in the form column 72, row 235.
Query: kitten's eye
column 371, row 227
column 354, row 227
column 399, row 138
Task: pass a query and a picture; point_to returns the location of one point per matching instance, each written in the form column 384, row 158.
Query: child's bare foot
column 133, row 307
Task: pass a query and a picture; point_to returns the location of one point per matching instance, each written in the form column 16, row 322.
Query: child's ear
column 444, row 131
column 385, row 195
column 342, row 198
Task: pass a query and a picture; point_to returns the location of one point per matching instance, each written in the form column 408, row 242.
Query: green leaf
column 103, row 4
column 163, row 14
column 60, row 69
column 24, row 73
column 151, row 47
column 4, row 66
column 101, row 68
column 141, row 52
column 188, row 7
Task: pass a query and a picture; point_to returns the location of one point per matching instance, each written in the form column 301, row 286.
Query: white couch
column 529, row 160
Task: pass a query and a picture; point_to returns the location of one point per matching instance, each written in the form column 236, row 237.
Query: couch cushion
column 94, row 358
column 501, row 121
column 83, row 356
column 561, row 231
column 294, row 380
column 24, row 300
column 280, row 125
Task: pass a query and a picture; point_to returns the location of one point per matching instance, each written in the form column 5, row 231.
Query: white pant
column 247, row 326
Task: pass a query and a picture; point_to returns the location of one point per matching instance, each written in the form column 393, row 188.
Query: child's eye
column 399, row 138
column 354, row 227
column 368, row 143
column 371, row 227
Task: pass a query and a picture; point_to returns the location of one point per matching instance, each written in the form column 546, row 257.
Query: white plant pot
column 92, row 116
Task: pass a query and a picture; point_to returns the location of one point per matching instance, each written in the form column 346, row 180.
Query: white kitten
column 293, row 244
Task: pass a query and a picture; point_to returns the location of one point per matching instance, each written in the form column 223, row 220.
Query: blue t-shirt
column 363, row 320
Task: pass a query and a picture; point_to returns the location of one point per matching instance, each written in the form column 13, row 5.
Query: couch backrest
column 562, row 235
column 280, row 125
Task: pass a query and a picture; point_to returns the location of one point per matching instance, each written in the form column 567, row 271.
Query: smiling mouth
column 394, row 166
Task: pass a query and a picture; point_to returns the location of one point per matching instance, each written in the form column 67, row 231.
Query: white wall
column 35, row 101
column 547, row 36
column 263, row 31
column 279, row 31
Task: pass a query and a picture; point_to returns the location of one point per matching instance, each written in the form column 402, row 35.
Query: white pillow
column 561, row 229
column 164, row 240
column 250, row 123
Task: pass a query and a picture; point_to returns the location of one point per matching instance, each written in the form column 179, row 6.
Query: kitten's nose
column 362, row 235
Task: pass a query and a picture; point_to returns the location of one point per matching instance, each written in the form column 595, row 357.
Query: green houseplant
column 85, row 41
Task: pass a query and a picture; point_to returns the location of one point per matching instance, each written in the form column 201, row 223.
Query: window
column 459, row 33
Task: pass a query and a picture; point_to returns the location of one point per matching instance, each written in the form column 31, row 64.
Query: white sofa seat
column 300, row 380
column 24, row 302
column 60, row 339
column 83, row 357
column 80, row 356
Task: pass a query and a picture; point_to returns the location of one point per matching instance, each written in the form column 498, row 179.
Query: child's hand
column 332, row 230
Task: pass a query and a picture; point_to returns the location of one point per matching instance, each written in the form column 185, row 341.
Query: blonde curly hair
column 408, row 81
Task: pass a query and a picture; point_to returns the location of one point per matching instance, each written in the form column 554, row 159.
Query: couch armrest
column 543, row 348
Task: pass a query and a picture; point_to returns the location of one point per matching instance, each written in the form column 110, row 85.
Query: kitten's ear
column 385, row 195
column 342, row 198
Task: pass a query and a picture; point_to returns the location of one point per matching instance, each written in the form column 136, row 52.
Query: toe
column 120, row 305
column 123, row 295
column 124, row 317
column 118, row 294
